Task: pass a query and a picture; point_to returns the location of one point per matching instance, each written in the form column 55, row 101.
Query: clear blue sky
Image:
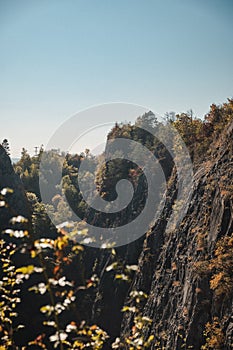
column 58, row 57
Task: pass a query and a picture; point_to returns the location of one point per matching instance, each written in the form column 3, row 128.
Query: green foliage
column 11, row 278
column 136, row 339
column 9, row 290
column 199, row 134
column 53, row 286
column 28, row 169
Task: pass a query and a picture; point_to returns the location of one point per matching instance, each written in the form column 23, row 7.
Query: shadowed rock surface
column 180, row 301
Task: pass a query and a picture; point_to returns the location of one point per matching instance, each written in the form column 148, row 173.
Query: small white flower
column 19, row 234
column 42, row 288
column 62, row 281
column 6, row 190
column 53, row 281
column 9, row 231
column 38, row 269
column 55, row 337
column 70, row 328
column 66, row 302
column 18, row 218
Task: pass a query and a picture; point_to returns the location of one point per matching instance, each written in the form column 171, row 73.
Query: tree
column 147, row 120
column 25, row 161
column 6, row 146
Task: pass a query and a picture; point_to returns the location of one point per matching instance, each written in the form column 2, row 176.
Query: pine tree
column 6, row 146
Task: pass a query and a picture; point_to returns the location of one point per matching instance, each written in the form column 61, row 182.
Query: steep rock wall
column 180, row 301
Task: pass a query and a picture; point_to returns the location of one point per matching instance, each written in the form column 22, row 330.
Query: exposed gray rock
column 180, row 301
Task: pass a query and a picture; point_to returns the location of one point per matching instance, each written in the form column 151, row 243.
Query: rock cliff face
column 176, row 269
column 187, row 274
column 18, row 204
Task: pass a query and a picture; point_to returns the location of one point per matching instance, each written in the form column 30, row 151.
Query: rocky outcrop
column 180, row 301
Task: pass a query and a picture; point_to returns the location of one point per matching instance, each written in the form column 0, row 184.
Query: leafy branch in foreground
column 49, row 258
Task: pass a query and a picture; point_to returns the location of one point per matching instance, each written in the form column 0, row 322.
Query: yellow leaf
column 25, row 270
column 151, row 337
column 33, row 254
